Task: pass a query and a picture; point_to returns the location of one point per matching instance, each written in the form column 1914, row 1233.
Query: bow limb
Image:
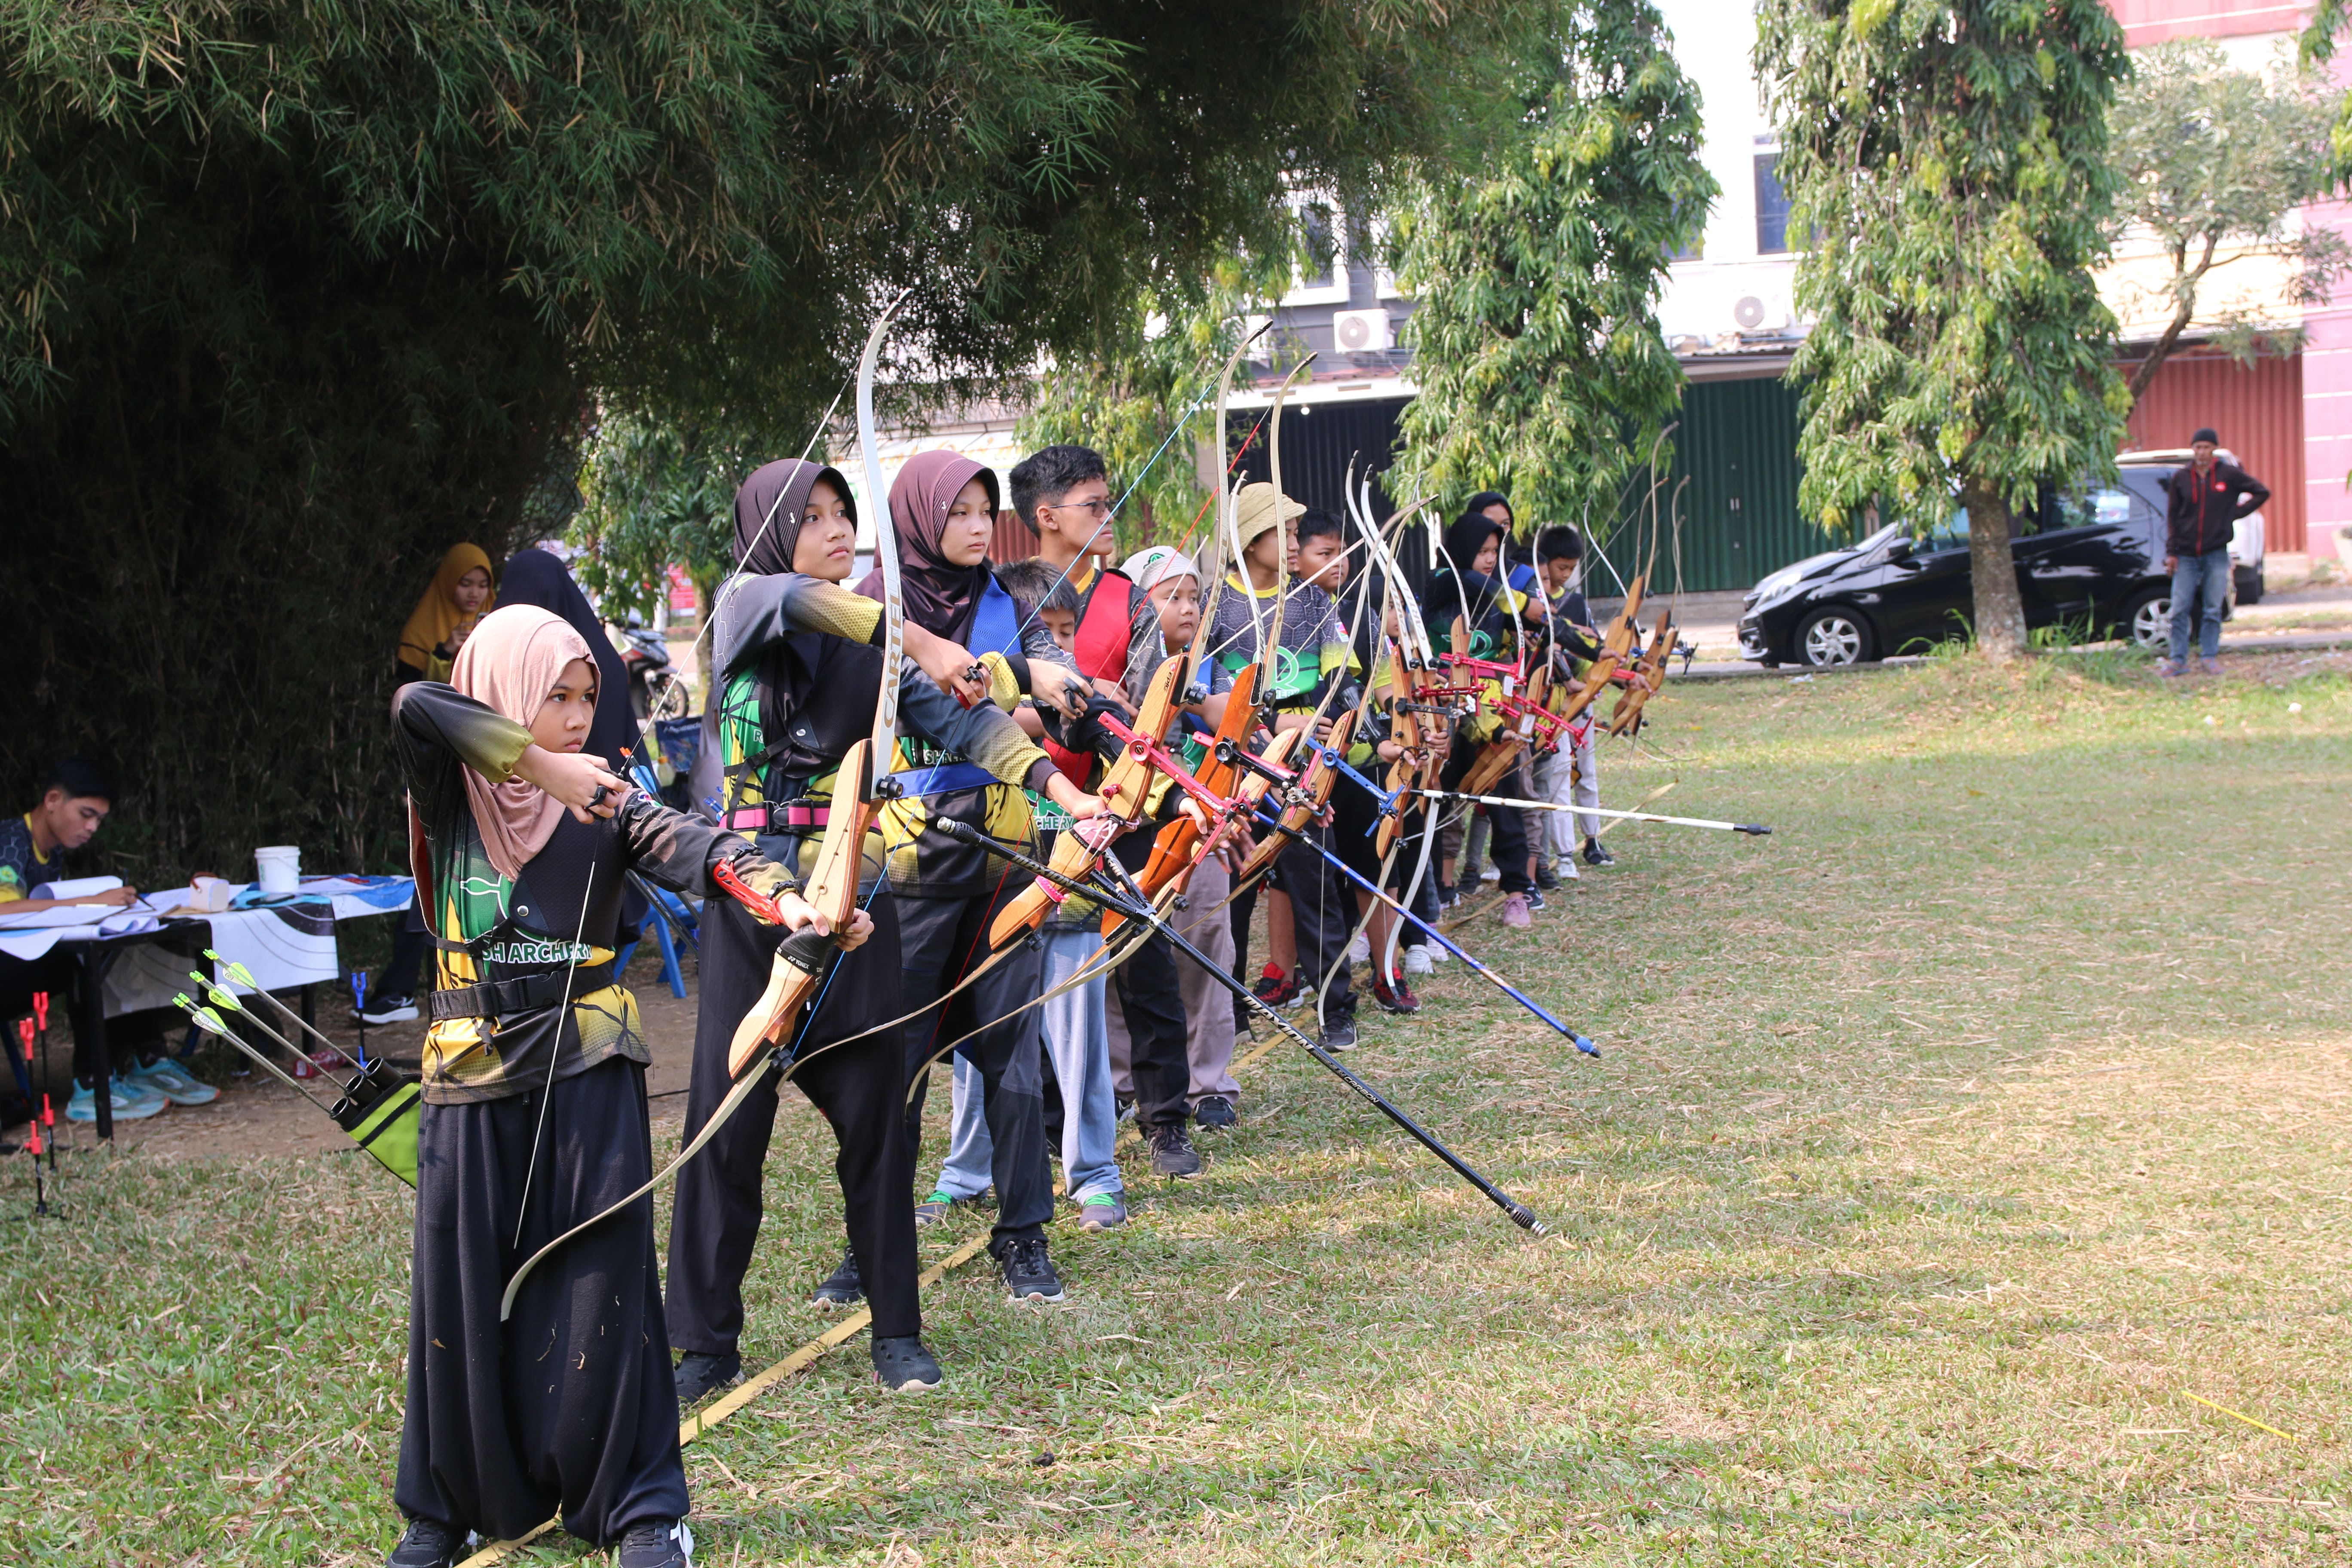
column 1270, row 639
column 1180, row 846
column 1213, row 573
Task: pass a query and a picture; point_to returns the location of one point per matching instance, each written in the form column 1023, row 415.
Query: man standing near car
column 2205, row 501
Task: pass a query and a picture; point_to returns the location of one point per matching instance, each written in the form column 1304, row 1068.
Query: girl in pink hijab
column 534, row 1115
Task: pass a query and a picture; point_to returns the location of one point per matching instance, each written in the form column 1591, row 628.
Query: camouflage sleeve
column 436, row 732
column 677, row 851
column 755, row 613
column 985, row 732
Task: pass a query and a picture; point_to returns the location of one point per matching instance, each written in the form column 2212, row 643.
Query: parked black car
column 2099, row 565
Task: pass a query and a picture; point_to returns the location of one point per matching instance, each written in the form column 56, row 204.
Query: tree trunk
column 1993, row 577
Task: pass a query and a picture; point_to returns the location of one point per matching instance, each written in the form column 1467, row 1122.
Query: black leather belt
column 524, row 993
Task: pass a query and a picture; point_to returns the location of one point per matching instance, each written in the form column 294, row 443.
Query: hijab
column 1464, row 537
column 941, row 597
column 508, row 666
column 437, row 615
column 536, row 578
column 767, row 509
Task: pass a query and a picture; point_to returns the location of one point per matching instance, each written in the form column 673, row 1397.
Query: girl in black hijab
column 943, row 507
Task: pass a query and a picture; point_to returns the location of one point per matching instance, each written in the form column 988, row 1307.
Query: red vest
column 1101, row 650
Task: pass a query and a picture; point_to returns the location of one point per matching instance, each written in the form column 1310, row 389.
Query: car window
column 2147, row 487
column 1952, row 533
column 2093, row 506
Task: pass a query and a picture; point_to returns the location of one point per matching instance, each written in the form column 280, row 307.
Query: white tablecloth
column 283, row 944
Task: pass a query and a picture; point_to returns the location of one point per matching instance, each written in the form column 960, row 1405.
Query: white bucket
column 281, row 865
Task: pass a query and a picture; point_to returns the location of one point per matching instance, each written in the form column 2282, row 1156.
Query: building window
column 1320, row 278
column 1771, row 208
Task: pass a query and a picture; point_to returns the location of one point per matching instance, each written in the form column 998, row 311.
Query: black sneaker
column 1448, row 895
column 1339, row 1034
column 1534, row 898
column 841, row 1287
column 1543, row 877
column 657, row 1543
column 699, row 1375
column 1214, row 1113
column 934, row 1209
column 1028, row 1270
column 1597, row 854
column 1171, row 1152
column 902, row 1366
column 427, row 1544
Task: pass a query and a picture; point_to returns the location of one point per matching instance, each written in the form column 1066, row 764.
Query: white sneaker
column 1436, row 954
column 1490, row 873
column 1416, row 960
column 1564, row 867
column 1360, row 950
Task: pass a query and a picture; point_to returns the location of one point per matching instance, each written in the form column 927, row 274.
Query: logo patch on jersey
column 542, row 952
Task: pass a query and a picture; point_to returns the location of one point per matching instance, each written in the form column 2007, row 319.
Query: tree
column 293, row 295
column 1534, row 332
column 2213, row 157
column 1950, row 161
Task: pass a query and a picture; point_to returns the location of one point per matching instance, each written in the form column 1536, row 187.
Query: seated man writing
column 76, row 800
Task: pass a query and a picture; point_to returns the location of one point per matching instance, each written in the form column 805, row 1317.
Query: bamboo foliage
column 296, row 293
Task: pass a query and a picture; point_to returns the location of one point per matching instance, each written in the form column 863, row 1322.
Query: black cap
column 2205, row 434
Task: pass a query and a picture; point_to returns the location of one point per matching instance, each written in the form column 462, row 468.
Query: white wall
column 1713, row 41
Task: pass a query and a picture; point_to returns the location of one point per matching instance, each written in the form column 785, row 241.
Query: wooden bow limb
column 1179, row 846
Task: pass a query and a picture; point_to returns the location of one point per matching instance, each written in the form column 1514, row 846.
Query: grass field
column 1951, row 1145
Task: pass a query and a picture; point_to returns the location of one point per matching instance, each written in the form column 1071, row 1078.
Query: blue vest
column 995, row 628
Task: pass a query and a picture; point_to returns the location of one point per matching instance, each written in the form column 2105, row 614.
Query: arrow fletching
column 204, row 1017
column 237, row 972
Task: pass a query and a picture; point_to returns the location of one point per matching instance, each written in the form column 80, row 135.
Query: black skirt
column 568, row 1408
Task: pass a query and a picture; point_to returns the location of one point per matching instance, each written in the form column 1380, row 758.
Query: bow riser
column 1126, row 784
column 1177, row 848
column 1308, row 794
column 799, row 965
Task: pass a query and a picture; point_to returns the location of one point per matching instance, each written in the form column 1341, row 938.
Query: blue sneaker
column 130, row 1102
column 173, row 1082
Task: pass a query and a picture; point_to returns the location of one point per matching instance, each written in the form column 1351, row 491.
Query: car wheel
column 1831, row 637
column 2147, row 620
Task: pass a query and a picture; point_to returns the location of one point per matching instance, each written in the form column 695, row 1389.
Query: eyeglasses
column 1093, row 507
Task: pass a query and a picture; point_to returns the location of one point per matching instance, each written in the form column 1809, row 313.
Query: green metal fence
column 1737, row 447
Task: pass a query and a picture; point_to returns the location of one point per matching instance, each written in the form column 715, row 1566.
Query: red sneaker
column 1397, row 999
column 1275, row 988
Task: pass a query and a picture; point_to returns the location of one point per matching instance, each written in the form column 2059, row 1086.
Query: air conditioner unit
column 1360, row 332
column 1749, row 312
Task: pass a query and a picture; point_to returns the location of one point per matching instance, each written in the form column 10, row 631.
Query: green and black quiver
column 378, row 1111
